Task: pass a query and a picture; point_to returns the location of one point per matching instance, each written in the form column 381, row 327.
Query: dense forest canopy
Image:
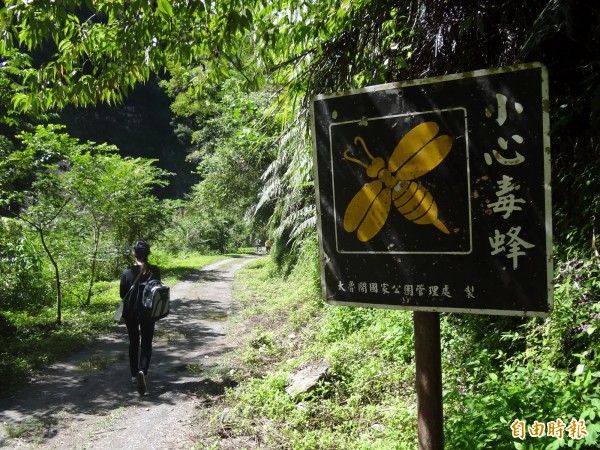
column 83, row 53
column 241, row 75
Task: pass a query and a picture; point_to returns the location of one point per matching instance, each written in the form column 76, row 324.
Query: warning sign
column 435, row 194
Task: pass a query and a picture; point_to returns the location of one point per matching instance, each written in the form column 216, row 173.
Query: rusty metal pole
column 428, row 361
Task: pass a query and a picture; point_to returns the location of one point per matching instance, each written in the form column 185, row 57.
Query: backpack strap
column 126, row 298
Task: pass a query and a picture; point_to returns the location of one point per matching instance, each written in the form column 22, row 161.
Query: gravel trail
column 76, row 406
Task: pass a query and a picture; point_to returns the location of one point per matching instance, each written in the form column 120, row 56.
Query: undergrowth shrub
column 367, row 399
column 22, row 278
column 538, row 369
column 496, row 370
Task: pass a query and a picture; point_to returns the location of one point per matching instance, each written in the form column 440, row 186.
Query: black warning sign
column 434, row 194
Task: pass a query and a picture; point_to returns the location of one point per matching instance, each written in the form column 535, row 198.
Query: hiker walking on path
column 137, row 325
column 98, row 409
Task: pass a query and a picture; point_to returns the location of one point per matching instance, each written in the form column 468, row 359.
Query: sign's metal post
column 428, row 361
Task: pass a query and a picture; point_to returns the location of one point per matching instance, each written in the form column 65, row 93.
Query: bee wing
column 368, row 210
column 361, row 203
column 376, row 216
column 418, row 152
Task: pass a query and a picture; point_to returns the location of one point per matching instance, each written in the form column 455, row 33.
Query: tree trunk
column 56, row 276
column 88, row 300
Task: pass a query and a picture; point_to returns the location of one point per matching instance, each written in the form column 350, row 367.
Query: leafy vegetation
column 32, row 339
column 77, row 199
column 231, row 141
column 494, row 370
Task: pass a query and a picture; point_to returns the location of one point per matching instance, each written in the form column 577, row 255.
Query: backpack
column 156, row 299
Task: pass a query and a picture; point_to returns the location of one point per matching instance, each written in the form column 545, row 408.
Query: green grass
column 31, row 428
column 495, row 369
column 366, row 402
column 33, row 340
column 173, row 268
column 94, row 363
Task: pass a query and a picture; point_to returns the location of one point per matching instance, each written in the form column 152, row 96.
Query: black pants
column 136, row 329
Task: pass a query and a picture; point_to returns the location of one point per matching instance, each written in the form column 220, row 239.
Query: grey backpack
column 156, row 299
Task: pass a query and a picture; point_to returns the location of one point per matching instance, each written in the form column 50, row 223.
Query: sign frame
column 424, row 84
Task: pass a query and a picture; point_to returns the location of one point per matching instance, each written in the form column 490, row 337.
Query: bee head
column 376, row 163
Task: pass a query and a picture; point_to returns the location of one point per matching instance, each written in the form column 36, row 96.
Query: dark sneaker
column 141, row 383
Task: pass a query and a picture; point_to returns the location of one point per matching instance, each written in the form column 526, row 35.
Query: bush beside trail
column 33, row 340
column 495, row 369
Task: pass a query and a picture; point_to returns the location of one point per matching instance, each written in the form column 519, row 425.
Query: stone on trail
column 307, row 378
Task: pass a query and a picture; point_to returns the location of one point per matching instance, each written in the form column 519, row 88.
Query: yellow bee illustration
column 417, row 153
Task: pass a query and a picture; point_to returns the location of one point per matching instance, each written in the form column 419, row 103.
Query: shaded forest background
column 142, row 126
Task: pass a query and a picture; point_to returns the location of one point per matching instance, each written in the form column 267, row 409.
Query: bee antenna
column 358, row 139
column 357, row 161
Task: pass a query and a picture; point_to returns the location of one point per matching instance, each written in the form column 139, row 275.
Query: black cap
column 141, row 249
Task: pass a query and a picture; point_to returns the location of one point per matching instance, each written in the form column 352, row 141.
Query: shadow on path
column 187, row 363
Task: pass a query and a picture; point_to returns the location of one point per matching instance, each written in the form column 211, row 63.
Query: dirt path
column 77, row 406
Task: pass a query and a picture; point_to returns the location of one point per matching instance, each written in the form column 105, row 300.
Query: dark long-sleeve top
column 132, row 307
column 131, row 273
